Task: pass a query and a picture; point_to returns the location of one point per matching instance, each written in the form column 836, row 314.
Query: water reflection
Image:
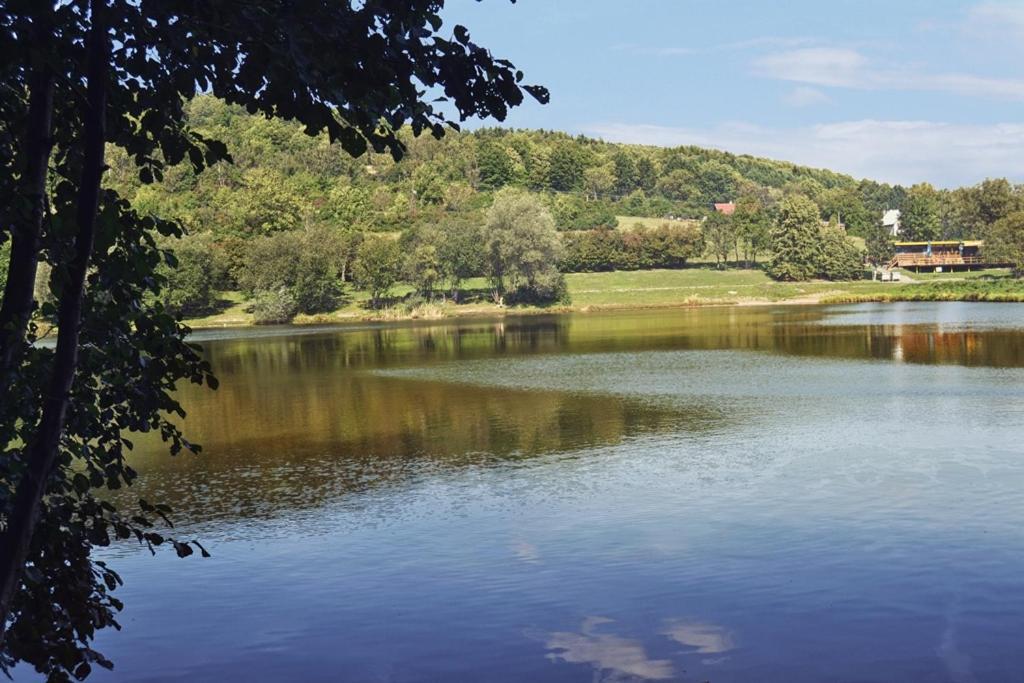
column 740, row 494
column 326, row 412
column 703, row 638
column 613, row 658
column 975, row 334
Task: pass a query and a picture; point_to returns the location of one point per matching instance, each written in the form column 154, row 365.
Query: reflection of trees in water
column 923, row 344
column 276, row 438
column 793, row 330
column 299, row 420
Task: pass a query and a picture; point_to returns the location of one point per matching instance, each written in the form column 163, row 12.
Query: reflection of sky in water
column 705, row 639
column 619, row 658
column 948, row 316
column 614, row 658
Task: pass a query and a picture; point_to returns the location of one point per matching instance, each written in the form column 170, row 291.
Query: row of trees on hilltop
column 282, row 179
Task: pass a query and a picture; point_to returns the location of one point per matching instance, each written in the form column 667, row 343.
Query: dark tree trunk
column 42, row 452
column 16, row 309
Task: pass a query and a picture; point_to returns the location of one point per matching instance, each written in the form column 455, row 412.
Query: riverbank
column 626, row 290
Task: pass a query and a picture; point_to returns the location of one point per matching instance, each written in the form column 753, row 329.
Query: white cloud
column 803, row 96
column 848, row 68
column 905, row 152
column 815, row 65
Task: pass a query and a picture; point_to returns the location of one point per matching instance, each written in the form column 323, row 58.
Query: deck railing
column 923, row 260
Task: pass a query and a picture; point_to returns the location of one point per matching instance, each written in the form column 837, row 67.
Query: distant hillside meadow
column 294, row 222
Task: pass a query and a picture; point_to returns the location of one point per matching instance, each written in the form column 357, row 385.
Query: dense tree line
column 283, row 179
column 670, row 245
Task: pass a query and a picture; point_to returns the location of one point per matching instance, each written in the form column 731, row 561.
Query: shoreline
column 694, row 287
column 470, row 313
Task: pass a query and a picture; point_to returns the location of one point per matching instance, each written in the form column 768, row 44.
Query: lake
column 715, row 494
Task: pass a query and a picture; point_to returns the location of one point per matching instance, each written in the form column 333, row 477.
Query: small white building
column 891, row 222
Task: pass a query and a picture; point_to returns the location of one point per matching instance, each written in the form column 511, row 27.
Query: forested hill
column 283, row 179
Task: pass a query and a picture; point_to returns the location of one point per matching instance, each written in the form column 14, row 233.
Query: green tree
column 346, row 206
column 538, row 172
column 566, row 168
column 423, row 266
column 978, row 208
column 599, row 181
column 460, row 252
column 627, row 177
column 522, row 249
column 78, row 76
column 264, row 203
column 190, row 275
column 720, row 236
column 675, row 243
column 679, row 184
column 303, row 264
column 5, row 256
column 646, row 174
column 428, row 186
column 844, row 205
column 840, row 259
column 879, row 245
column 496, row 167
column 378, row 268
column 752, row 226
column 796, row 240
column 273, row 306
column 1006, row 242
column 919, row 218
column 717, row 181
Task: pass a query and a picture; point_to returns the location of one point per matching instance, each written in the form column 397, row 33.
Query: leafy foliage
column 522, row 249
column 273, row 306
column 1007, row 242
column 879, row 245
column 191, row 277
column 304, row 264
column 378, row 267
column 670, row 245
column 840, row 258
column 919, row 219
column 795, row 243
column 720, row 236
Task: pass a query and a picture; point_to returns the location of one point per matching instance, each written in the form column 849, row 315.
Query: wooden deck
column 924, row 261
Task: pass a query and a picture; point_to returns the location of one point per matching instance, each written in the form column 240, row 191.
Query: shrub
column 191, row 276
column 273, row 306
column 840, row 258
column 306, row 263
column 670, row 245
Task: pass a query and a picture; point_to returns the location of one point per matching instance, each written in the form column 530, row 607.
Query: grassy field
column 696, row 286
column 628, row 222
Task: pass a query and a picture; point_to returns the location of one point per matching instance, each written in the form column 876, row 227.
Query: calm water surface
column 736, row 494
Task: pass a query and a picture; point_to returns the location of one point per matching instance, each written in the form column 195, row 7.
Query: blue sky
column 899, row 91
